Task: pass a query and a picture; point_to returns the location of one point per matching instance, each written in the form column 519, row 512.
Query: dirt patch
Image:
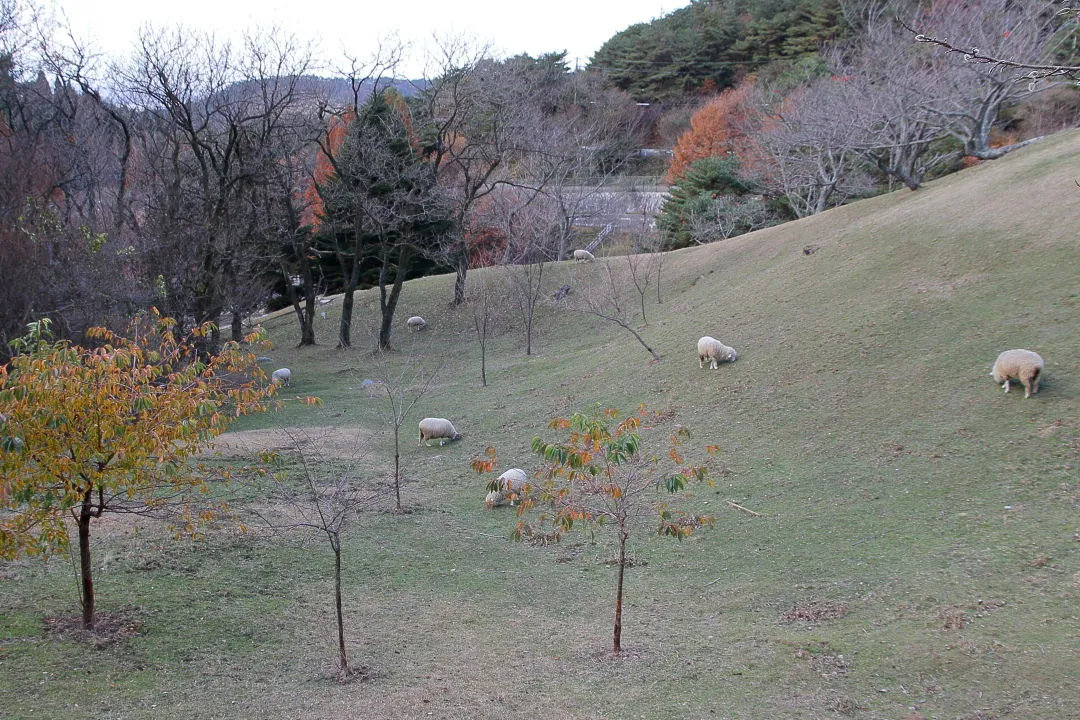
column 814, row 611
column 109, row 628
column 328, row 441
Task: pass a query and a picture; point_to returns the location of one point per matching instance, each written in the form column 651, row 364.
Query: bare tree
column 984, row 83
column 404, row 381
column 324, row 500
column 803, row 150
column 487, row 303
column 602, row 298
column 213, row 115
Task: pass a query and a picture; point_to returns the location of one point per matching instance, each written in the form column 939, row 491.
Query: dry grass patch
column 341, row 442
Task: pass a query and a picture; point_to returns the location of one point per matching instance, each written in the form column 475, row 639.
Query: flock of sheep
column 1024, row 366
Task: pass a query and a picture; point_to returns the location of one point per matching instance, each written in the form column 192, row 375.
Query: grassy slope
column 859, row 420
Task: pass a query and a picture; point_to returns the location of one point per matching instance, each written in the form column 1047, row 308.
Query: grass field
column 917, row 554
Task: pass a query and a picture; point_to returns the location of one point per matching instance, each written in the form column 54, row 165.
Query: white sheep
column 281, row 376
column 1024, row 365
column 711, row 349
column 441, row 428
column 584, row 256
column 416, row 323
column 509, row 485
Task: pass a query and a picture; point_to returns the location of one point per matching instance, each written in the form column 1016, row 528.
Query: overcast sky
column 509, row 26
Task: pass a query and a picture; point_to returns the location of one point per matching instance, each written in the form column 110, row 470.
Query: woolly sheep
column 281, row 376
column 584, row 256
column 711, row 349
column 440, row 428
column 416, row 323
column 510, row 483
column 1024, row 365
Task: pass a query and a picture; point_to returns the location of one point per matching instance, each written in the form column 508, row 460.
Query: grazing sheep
column 711, row 349
column 416, row 323
column 509, row 484
column 584, row 256
column 281, row 376
column 1024, row 365
column 441, row 428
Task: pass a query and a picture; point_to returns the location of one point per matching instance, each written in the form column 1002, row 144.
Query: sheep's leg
column 700, row 362
column 1005, row 384
column 712, row 364
column 1027, row 387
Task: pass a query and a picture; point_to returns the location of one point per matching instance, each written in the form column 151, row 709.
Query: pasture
column 917, row 553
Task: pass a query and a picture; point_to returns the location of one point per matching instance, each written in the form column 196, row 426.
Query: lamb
column 416, row 323
column 1024, row 365
column 441, row 428
column 584, row 256
column 281, row 376
column 711, row 349
column 508, row 485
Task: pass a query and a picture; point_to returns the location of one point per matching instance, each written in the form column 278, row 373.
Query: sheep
column 432, row 428
column 416, row 323
column 1024, row 365
column 584, row 256
column 509, row 485
column 711, row 349
column 281, row 376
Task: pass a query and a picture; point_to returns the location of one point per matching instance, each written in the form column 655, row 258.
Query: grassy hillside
column 917, row 554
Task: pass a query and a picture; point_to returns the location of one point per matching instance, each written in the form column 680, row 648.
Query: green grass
column 893, row 477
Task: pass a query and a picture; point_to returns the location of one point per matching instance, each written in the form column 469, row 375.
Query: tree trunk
column 335, row 543
column 389, row 303
column 345, row 328
column 616, row 645
column 305, row 316
column 462, row 272
column 86, row 514
column 483, row 364
column 237, row 327
column 397, row 465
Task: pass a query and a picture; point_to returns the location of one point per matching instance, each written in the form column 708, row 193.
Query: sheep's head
column 493, row 498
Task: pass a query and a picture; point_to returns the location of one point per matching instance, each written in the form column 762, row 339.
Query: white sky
column 508, row 26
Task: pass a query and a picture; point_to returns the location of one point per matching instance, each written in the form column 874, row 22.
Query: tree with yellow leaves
column 112, row 427
column 602, row 477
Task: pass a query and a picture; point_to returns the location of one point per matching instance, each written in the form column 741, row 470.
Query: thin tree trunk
column 335, row 543
column 616, row 646
column 86, row 570
column 397, row 464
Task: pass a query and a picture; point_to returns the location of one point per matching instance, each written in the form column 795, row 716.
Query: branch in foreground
column 1036, row 71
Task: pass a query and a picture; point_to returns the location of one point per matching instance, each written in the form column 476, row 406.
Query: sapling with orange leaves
column 602, row 476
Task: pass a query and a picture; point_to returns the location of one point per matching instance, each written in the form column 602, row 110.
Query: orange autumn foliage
column 716, row 129
column 324, row 168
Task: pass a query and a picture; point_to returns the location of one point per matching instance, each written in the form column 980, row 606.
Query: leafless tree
column 981, row 82
column 578, row 152
column 804, row 152
column 324, row 500
column 528, row 222
column 61, row 210
column 602, row 298
column 213, row 115
column 487, row 301
column 403, row 380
